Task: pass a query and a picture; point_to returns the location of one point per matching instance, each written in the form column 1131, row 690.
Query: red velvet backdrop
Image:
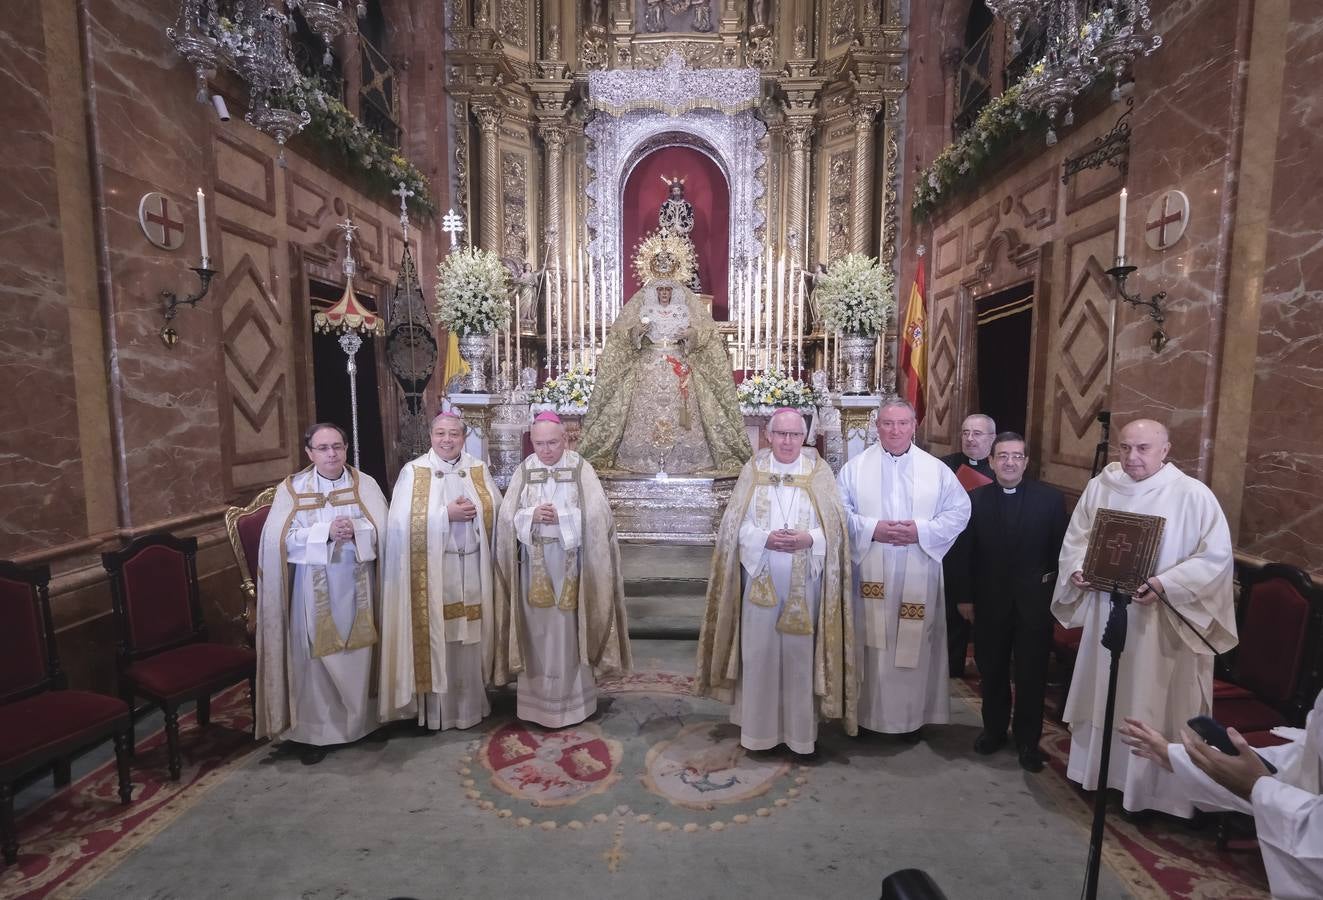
column 704, row 187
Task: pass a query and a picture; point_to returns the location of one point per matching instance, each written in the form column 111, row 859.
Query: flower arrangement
column 961, row 162
column 855, row 295
column 567, row 393
column 473, row 292
column 760, row 395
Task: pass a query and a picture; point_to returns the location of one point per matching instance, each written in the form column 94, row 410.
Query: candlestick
column 546, row 303
column 202, row 228
column 592, row 312
column 1120, row 231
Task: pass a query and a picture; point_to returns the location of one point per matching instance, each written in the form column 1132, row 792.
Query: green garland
column 363, row 150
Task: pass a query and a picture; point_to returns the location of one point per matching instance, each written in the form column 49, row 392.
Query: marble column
column 489, row 177
column 864, row 114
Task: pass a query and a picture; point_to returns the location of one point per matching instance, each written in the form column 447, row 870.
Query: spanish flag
column 455, row 364
column 913, row 346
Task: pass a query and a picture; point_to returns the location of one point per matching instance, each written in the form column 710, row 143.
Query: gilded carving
column 696, row 54
column 514, row 202
column 674, row 16
column 840, row 168
column 841, row 22
column 514, row 23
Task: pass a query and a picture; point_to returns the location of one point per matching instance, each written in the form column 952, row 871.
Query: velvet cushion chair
column 41, row 723
column 244, row 526
column 163, row 653
column 1265, row 687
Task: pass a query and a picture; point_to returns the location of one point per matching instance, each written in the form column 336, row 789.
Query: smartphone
column 1216, row 736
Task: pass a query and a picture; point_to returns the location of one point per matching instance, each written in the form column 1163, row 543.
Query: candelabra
column 1119, row 273
column 172, row 301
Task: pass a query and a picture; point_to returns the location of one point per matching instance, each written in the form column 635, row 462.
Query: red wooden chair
column 41, row 723
column 163, row 653
column 244, row 525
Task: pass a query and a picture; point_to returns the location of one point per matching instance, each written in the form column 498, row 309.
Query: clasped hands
column 788, row 540
column 1147, row 593
column 899, row 533
column 342, row 529
column 461, row 510
column 545, row 514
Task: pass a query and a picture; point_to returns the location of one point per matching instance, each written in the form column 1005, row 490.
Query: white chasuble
column 1166, row 673
column 317, row 608
column 556, row 687
column 329, row 691
column 437, row 645
column 774, row 700
column 900, row 613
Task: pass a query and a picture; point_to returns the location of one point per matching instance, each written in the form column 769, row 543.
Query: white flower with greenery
column 761, row 395
column 567, row 393
column 855, row 296
column 473, row 292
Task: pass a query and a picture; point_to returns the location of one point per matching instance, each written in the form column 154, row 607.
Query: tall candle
column 592, row 312
column 202, row 228
column 1120, row 231
column 768, row 291
column 551, row 281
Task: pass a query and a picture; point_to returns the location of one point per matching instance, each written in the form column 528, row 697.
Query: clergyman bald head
column 1144, row 446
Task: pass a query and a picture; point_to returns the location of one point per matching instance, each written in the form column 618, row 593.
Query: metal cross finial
column 348, row 227
column 452, row 225
column 404, row 193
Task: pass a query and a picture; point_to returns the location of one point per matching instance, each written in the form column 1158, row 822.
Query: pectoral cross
column 452, row 225
column 1120, row 548
column 404, row 193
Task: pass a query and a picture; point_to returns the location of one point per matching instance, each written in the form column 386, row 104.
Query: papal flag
column 455, row 364
column 914, row 345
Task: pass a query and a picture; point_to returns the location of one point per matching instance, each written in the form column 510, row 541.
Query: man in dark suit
column 1015, row 531
column 973, row 471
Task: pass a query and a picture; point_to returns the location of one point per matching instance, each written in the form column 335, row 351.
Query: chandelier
column 255, row 45
column 1082, row 40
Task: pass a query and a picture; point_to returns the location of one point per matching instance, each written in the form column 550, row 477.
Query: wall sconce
column 172, row 302
column 1120, row 272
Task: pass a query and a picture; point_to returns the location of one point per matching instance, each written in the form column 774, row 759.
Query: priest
column 778, row 636
column 437, row 646
column 1166, row 672
column 905, row 510
column 1287, row 806
column 317, row 601
column 560, row 620
column 972, row 469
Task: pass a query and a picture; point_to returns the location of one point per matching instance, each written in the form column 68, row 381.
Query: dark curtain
column 705, row 187
column 1005, row 325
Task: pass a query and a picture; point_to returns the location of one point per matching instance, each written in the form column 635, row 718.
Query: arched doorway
column 706, row 188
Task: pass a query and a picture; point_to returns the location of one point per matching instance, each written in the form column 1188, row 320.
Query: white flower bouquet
column 855, row 296
column 473, row 292
column 761, row 395
column 567, row 393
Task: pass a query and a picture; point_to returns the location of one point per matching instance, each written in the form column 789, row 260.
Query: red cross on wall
column 161, row 217
column 1168, row 216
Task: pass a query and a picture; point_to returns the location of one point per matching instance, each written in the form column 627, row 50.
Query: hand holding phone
column 1215, row 735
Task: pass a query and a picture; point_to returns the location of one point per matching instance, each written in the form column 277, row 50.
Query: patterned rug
column 82, row 832
column 1159, row 857
column 639, row 762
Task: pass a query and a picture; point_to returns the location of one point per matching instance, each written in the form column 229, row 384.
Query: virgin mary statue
column 664, row 399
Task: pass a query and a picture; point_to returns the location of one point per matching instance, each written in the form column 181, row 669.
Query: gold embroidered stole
column 326, row 637
column 795, row 617
column 459, row 609
column 541, row 591
column 419, row 607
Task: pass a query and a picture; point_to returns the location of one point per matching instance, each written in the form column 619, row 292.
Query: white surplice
column 774, row 701
column 459, row 596
column 555, row 689
column 1287, row 808
column 329, row 695
column 877, row 486
column 1166, row 673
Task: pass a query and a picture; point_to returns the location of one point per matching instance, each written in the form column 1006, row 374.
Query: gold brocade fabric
column 794, row 618
column 418, row 587
column 363, row 631
column 636, row 387
column 834, row 676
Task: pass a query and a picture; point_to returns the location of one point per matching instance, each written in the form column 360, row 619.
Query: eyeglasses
column 974, row 433
column 328, row 448
column 787, row 434
column 1010, row 457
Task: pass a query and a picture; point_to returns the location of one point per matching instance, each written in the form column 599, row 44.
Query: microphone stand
column 1113, row 639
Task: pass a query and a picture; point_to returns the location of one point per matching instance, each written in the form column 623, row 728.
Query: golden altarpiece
column 781, row 118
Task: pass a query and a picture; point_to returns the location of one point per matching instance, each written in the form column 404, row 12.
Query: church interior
column 226, row 220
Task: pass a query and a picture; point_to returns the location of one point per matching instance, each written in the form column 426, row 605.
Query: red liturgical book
column 971, row 478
